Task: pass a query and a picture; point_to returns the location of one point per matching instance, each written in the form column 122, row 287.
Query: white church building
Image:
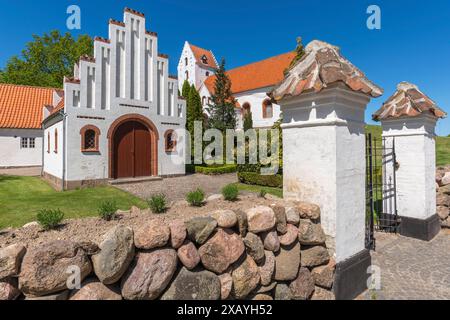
column 117, row 114
column 249, row 84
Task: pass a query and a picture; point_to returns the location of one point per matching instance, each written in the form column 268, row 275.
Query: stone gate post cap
column 322, row 66
column 408, row 101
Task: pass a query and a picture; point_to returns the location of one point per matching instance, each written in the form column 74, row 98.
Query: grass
column 22, row 197
column 442, row 145
column 443, row 151
column 257, row 189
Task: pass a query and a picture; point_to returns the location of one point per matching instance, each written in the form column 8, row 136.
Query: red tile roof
column 21, row 106
column 408, row 101
column 59, row 106
column 261, row 74
column 200, row 52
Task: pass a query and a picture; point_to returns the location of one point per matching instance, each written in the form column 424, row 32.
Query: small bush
column 158, row 203
column 49, row 219
column 230, row 192
column 196, row 198
column 262, row 193
column 107, row 210
column 260, row 180
column 216, row 170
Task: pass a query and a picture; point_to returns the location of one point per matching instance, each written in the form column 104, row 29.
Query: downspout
column 42, row 149
column 64, row 150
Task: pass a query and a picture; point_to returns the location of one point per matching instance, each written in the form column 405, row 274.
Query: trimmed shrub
column 49, row 219
column 216, row 170
column 107, row 210
column 196, row 198
column 157, row 203
column 230, row 192
column 275, row 181
column 190, row 168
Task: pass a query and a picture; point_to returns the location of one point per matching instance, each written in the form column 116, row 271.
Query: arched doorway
column 133, row 147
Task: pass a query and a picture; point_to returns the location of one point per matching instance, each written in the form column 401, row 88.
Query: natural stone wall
column 443, row 195
column 261, row 254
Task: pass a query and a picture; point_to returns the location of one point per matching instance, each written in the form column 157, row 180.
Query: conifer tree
column 194, row 112
column 222, row 114
column 185, row 90
column 248, row 121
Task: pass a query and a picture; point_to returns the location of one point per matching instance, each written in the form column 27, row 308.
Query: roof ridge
column 259, row 61
column 193, row 45
column 29, row 86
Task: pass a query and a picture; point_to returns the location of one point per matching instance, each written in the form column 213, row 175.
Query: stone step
column 134, row 180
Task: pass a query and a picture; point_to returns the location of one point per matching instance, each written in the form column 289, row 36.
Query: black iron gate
column 381, row 188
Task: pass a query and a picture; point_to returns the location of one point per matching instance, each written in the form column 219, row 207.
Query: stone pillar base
column 424, row 230
column 351, row 276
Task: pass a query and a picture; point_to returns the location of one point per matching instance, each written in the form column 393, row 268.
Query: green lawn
column 22, row 197
column 442, row 145
column 257, row 189
column 443, row 151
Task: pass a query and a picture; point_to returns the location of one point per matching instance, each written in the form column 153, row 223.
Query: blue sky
column 413, row 43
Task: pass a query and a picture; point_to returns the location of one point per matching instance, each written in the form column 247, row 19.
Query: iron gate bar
column 381, row 185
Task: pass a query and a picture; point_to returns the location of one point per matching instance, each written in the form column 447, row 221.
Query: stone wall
column 266, row 253
column 443, row 195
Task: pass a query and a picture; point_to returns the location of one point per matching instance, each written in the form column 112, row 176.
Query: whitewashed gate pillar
column 323, row 100
column 409, row 117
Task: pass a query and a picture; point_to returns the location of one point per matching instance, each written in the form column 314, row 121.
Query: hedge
column 253, row 178
column 216, row 170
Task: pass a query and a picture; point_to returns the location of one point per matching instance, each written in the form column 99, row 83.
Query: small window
column 56, row 141
column 24, row 143
column 186, row 62
column 204, row 101
column 267, row 109
column 89, row 139
column 187, row 75
column 31, row 143
column 204, row 59
column 171, row 142
column 207, row 73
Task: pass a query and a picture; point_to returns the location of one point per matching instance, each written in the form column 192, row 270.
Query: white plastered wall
column 11, row 152
column 324, row 163
column 416, row 157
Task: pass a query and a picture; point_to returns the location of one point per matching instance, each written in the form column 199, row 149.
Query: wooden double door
column 132, row 150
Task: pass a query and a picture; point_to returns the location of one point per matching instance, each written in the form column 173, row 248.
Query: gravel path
column 176, row 188
column 412, row 269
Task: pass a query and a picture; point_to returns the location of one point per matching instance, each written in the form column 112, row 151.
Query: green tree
column 194, row 113
column 185, row 90
column 248, row 121
column 300, row 50
column 46, row 60
column 222, row 114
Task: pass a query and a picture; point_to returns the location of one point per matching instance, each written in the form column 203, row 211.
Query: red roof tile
column 200, row 52
column 320, row 67
column 21, row 106
column 408, row 101
column 261, row 74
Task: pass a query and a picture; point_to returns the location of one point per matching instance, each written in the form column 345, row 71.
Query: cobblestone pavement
column 412, row 269
column 29, row 171
column 176, row 188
